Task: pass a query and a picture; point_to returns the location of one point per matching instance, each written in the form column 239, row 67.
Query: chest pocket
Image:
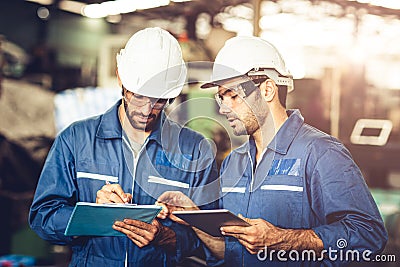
column 165, row 172
column 174, row 160
column 91, row 176
column 282, row 194
column 172, row 169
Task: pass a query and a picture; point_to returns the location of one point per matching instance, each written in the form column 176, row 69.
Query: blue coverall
column 89, row 153
column 305, row 179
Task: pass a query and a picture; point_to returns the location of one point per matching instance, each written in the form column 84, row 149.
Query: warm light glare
column 394, row 4
column 114, row 18
column 42, row 2
column 140, row 4
column 120, row 7
column 71, row 6
column 94, row 11
column 241, row 26
column 297, row 69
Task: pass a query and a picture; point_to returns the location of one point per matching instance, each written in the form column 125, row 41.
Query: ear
column 268, row 90
column 118, row 78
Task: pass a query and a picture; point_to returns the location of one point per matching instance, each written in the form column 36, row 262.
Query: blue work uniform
column 305, row 179
column 89, row 153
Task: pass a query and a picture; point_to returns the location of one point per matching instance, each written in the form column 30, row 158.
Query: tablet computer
column 210, row 221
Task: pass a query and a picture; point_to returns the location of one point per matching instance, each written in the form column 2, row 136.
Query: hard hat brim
column 220, row 82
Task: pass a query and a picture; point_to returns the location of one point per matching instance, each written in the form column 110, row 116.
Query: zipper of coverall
column 135, row 162
column 253, row 171
column 250, row 191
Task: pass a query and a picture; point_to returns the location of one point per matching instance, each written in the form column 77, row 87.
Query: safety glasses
column 238, row 92
column 140, row 101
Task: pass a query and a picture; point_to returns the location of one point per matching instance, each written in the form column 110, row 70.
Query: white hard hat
column 249, row 56
column 151, row 64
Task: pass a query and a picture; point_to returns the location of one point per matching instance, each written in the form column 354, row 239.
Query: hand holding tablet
column 210, row 221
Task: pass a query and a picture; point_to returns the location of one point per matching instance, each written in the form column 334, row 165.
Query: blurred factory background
column 57, row 64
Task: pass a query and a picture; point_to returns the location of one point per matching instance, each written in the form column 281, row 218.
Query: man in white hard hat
column 130, row 154
column 297, row 187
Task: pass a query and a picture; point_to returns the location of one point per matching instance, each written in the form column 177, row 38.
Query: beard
column 238, row 127
column 243, row 124
column 139, row 121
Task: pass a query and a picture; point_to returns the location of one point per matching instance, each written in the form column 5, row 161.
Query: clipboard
column 92, row 219
column 210, row 221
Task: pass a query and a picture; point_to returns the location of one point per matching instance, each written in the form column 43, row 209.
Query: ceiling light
column 43, row 13
column 95, row 11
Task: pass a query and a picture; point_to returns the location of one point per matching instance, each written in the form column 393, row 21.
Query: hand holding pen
column 112, row 193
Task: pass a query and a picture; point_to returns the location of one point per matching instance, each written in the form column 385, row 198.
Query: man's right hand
column 174, row 201
column 112, row 193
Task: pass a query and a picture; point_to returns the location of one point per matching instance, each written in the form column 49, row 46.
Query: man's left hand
column 142, row 234
column 257, row 236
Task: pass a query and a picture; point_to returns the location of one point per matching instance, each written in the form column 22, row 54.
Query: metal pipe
column 257, row 16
